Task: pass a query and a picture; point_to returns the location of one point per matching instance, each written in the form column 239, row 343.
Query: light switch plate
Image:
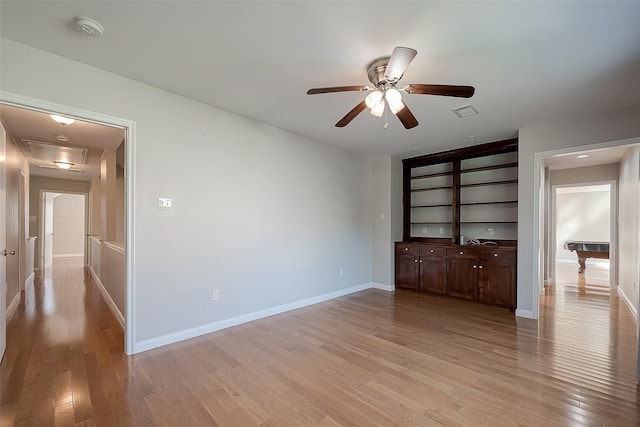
column 164, row 203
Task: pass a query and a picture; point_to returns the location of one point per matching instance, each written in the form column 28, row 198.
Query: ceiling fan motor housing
column 376, row 69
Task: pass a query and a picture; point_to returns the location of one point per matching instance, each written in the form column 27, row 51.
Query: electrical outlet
column 424, row 230
column 491, row 231
column 216, row 294
column 341, row 272
column 164, row 203
column 441, row 230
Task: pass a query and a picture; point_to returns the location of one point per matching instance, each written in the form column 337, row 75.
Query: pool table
column 586, row 250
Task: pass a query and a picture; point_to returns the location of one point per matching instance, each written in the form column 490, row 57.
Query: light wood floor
column 371, row 358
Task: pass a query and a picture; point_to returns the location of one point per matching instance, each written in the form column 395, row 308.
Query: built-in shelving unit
column 470, row 192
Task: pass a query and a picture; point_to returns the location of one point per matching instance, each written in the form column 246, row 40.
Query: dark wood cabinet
column 420, row 268
column 462, row 272
column 486, row 274
column 408, row 272
column 433, row 269
column 496, row 276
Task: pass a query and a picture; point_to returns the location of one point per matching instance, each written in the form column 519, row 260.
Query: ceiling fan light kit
column 385, row 73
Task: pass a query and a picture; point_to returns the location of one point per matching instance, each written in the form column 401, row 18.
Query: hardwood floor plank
column 373, row 358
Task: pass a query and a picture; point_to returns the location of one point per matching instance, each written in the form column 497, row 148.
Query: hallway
column 370, row 358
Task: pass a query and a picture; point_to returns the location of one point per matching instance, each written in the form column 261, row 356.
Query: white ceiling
column 530, row 62
column 22, row 124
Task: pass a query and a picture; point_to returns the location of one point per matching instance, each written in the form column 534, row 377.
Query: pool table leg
column 583, row 267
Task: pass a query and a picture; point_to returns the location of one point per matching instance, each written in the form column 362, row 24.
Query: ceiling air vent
column 465, row 111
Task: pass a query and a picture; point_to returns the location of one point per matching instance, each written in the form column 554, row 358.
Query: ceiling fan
column 385, row 73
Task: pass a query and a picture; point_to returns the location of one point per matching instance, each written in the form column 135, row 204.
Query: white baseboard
column 383, row 287
column 13, row 306
column 527, row 314
column 234, row 321
column 112, row 305
column 30, row 280
column 634, row 312
column 66, row 255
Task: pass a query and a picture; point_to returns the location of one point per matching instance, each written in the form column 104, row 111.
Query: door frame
column 613, row 228
column 41, row 226
column 129, row 127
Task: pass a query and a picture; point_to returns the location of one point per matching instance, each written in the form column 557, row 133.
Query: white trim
column 112, row 305
column 114, row 247
column 234, row 321
column 383, row 287
column 13, row 306
column 22, row 101
column 67, row 255
column 634, row 312
column 525, row 313
column 30, row 281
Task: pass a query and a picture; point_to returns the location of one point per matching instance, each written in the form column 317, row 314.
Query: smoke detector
column 88, row 26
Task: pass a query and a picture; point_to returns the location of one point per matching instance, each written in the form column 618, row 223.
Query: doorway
column 583, row 214
column 40, row 106
column 64, row 226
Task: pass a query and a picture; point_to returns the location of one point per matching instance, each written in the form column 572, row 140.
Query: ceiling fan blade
column 337, row 89
column 398, row 63
column 407, row 118
column 442, row 90
column 351, row 115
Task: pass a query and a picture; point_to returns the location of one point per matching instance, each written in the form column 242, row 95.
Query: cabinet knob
column 415, row 260
column 495, row 254
column 461, row 252
column 431, row 251
column 475, row 266
column 420, row 261
column 406, row 249
column 480, row 267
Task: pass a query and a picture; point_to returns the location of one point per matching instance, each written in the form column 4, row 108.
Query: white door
column 3, row 241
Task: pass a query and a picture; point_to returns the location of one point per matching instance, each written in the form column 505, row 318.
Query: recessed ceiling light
column 63, row 165
column 582, row 156
column 88, row 26
column 62, row 120
column 63, row 138
column 471, row 137
column 465, row 111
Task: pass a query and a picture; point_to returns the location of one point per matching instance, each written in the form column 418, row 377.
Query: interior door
column 3, row 241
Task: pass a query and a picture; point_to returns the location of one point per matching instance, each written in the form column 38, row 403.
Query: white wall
column 581, row 215
column 263, row 215
column 68, row 225
column 629, row 212
column 619, row 125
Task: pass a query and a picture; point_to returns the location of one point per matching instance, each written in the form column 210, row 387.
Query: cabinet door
column 432, row 275
column 407, row 272
column 496, row 283
column 462, row 277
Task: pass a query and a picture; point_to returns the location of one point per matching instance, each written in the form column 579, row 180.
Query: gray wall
column 68, row 225
column 263, row 215
column 581, row 215
column 629, row 236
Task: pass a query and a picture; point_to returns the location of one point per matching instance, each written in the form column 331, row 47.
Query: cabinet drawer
column 434, row 251
column 408, row 248
column 495, row 254
column 462, row 252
